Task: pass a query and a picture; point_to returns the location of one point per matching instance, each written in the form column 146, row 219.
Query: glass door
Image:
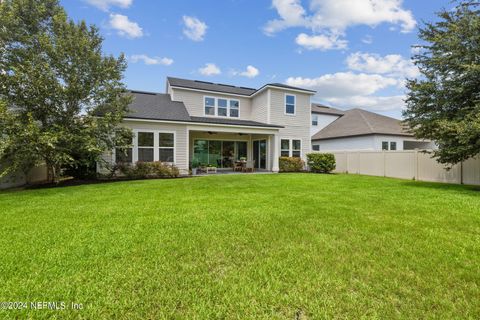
column 260, row 153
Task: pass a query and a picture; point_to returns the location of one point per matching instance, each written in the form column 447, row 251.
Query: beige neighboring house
column 217, row 124
column 360, row 130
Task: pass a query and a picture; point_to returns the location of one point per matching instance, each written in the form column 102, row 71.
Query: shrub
column 148, row 170
column 291, row 164
column 321, row 162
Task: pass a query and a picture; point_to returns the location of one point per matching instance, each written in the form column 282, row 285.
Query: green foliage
column 55, row 82
column 195, row 163
column 321, row 162
column 444, row 104
column 291, row 164
column 143, row 170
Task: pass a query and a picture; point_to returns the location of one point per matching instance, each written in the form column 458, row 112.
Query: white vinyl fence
column 407, row 165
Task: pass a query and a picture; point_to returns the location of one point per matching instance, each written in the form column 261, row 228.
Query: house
column 357, row 129
column 217, row 124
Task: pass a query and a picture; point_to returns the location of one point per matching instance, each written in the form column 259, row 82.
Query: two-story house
column 218, row 124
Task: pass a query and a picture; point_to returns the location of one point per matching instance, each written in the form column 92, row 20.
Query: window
column 222, row 107
column 384, row 145
column 314, row 120
column 166, row 146
column 285, row 148
column 289, row 104
column 145, row 146
column 393, row 146
column 209, row 106
column 296, row 148
column 316, row 147
column 234, row 108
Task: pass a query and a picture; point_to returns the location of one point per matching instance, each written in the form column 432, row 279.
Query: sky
column 354, row 53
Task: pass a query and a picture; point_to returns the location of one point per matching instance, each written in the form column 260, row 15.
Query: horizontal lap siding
column 194, row 103
column 295, row 127
column 260, row 107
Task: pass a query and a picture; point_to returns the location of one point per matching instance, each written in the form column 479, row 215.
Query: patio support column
column 275, row 153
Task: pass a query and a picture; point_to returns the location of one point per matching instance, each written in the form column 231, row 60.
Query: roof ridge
column 366, row 120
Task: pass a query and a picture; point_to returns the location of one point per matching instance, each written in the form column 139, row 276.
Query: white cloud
column 373, row 103
column 105, row 4
column 392, row 64
column 343, row 84
column 151, row 60
column 124, row 26
column 334, row 17
column 368, row 39
column 321, row 42
column 194, row 28
column 210, row 69
column 250, row 72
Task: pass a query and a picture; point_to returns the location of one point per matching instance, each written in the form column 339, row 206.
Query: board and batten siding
column 295, row 126
column 194, row 102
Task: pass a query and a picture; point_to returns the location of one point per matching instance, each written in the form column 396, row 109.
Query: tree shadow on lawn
column 441, row 186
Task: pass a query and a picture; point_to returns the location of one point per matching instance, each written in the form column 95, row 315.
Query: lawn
column 285, row 246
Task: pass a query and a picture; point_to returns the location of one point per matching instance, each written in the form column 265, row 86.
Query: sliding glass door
column 221, row 154
column 260, row 154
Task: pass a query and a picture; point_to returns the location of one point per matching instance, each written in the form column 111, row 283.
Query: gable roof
column 319, row 108
column 225, row 88
column 358, row 122
column 159, row 106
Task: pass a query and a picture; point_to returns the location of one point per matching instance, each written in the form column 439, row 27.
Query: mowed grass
column 285, row 246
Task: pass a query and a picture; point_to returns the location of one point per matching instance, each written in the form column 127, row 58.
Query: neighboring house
column 218, row 124
column 358, row 129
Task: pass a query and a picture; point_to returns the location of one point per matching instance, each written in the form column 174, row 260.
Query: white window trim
column 290, row 146
column 156, row 145
column 294, row 104
column 215, row 107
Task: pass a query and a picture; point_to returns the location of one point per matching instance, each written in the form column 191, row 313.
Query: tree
column 444, row 104
column 55, row 83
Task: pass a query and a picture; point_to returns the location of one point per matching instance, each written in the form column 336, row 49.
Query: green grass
column 287, row 246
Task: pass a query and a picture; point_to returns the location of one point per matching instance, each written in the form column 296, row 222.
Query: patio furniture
column 249, row 166
column 212, row 169
column 238, row 165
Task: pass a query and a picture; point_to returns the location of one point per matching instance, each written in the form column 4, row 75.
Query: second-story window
column 289, row 104
column 222, row 107
column 314, row 120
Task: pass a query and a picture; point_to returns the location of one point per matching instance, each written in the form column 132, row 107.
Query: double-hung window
column 393, row 145
column 222, row 107
column 234, row 108
column 166, row 147
column 145, row 146
column 389, row 146
column 123, row 155
column 209, row 106
column 291, row 148
column 314, row 120
column 316, row 147
column 290, row 104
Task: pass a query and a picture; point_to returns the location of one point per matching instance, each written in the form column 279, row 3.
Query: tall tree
column 444, row 104
column 55, row 81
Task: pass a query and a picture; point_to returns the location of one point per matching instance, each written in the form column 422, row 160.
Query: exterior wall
column 295, row 126
column 367, row 143
column 323, row 121
column 36, row 175
column 260, row 107
column 194, row 102
column 413, row 165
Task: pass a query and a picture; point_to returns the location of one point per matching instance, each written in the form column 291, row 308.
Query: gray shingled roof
column 318, row 108
column 159, row 106
column 358, row 122
column 233, row 122
column 209, row 86
column 223, row 88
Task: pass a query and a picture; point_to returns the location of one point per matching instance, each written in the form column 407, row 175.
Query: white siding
column 295, row 126
column 194, row 102
column 260, row 107
column 323, row 121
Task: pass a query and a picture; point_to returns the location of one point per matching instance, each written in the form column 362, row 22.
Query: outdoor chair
column 249, row 166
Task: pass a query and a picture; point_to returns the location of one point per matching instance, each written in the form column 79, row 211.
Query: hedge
column 148, row 170
column 321, row 162
column 291, row 164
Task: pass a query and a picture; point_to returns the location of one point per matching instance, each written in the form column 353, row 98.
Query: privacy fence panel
column 410, row 164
